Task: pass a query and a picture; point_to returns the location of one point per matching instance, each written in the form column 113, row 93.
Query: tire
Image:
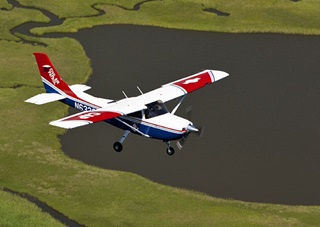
column 117, row 146
column 170, row 151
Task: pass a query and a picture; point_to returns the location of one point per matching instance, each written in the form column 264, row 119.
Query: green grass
column 4, row 5
column 281, row 16
column 31, row 159
column 13, row 17
column 16, row 211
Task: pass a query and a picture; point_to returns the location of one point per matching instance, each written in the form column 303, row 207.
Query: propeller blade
column 200, row 131
column 190, row 129
column 181, row 142
column 189, row 112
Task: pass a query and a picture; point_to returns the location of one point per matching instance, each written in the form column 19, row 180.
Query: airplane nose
column 191, row 128
column 218, row 75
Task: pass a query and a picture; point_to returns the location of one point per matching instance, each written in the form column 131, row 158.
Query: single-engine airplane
column 145, row 115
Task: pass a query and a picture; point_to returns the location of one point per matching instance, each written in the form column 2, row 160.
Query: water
column 262, row 123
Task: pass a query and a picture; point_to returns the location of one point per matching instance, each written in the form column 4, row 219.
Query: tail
column 55, row 87
column 51, row 80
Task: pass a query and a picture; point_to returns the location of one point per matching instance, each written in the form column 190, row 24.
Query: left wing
column 112, row 110
column 84, row 118
column 183, row 86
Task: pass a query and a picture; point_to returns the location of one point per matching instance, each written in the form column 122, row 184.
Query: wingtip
column 218, row 75
column 69, row 124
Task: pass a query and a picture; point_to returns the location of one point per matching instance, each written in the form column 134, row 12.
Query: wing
column 183, row 86
column 84, row 118
column 112, row 110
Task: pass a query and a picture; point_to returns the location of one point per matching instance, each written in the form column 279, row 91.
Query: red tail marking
column 49, row 73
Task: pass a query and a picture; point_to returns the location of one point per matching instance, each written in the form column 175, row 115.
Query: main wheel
column 117, row 146
column 170, row 151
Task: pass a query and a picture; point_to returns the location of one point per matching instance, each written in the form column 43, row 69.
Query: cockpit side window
column 155, row 109
column 137, row 114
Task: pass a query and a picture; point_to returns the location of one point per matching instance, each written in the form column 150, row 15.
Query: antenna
column 124, row 94
column 140, row 90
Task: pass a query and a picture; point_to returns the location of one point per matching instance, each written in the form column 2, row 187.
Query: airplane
column 145, row 115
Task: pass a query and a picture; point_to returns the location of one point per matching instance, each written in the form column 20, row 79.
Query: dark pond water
column 262, row 123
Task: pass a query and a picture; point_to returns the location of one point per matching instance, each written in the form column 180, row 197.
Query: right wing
column 183, row 86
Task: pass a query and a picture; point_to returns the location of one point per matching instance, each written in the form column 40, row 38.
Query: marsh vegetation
column 30, row 152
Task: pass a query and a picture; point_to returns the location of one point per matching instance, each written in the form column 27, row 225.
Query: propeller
column 198, row 130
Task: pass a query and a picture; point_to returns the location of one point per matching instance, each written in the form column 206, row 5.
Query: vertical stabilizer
column 50, row 77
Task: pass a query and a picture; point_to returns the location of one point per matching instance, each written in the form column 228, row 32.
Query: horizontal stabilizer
column 45, row 98
column 79, row 88
column 84, row 118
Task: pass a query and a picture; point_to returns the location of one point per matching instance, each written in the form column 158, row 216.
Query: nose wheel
column 117, row 146
column 170, row 150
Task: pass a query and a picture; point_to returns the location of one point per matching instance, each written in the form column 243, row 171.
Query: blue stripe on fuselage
column 159, row 133
column 79, row 105
column 49, row 89
column 153, row 132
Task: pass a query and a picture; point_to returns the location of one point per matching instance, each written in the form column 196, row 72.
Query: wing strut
column 177, row 106
column 133, row 128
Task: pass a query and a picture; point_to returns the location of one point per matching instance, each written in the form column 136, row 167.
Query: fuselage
column 165, row 127
column 157, row 124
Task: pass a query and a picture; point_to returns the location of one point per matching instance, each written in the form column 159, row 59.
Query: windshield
column 155, row 109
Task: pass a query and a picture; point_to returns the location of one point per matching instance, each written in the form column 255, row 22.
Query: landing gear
column 117, row 146
column 170, row 150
